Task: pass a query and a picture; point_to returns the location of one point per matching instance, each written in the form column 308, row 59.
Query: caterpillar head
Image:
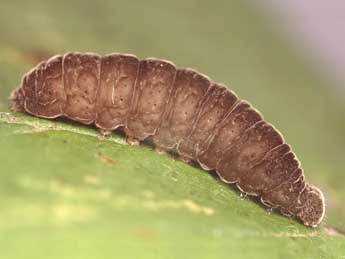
column 313, row 209
column 17, row 100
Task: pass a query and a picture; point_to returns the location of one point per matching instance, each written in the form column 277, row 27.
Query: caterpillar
column 179, row 111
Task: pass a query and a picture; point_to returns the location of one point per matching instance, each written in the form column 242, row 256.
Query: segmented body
column 181, row 111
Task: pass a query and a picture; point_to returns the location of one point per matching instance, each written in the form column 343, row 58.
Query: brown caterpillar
column 178, row 110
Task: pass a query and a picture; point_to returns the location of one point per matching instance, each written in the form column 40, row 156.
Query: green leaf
column 67, row 191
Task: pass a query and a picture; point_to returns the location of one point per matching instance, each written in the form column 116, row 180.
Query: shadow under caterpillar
column 180, row 111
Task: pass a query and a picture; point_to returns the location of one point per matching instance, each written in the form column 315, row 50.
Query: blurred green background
column 228, row 40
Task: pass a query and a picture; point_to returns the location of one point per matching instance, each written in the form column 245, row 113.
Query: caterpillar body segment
column 153, row 89
column 118, row 77
column 217, row 104
column 190, row 91
column 81, row 80
column 239, row 119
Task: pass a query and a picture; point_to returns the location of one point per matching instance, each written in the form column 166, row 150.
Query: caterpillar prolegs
column 180, row 111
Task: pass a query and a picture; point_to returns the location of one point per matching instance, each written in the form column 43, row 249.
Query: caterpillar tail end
column 313, row 210
column 17, row 100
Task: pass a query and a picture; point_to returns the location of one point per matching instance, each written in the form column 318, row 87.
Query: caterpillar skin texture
column 180, row 111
